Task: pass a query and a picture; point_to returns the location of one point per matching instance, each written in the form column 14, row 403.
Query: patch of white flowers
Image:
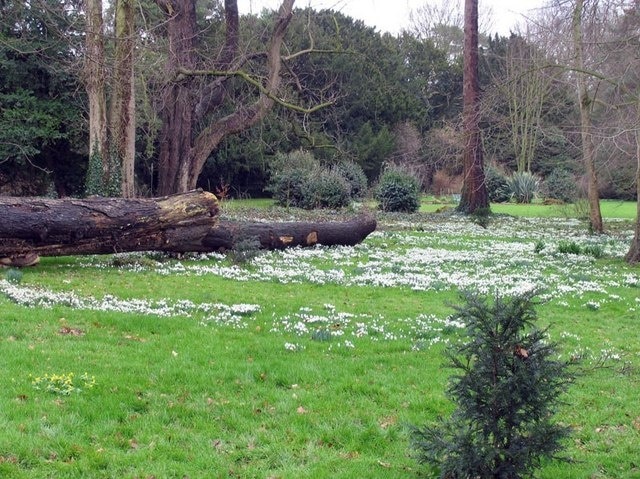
column 516, row 256
column 219, row 313
column 451, row 255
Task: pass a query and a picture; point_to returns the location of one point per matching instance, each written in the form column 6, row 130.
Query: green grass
column 609, row 209
column 195, row 392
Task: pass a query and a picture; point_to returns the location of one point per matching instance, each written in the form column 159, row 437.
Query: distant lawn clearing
column 610, row 208
column 305, row 363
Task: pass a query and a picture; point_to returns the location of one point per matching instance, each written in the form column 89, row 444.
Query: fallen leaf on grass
column 133, row 337
column 350, row 455
column 385, row 422
column 301, row 410
column 66, row 330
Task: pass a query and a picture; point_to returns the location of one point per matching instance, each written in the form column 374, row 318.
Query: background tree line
column 226, row 94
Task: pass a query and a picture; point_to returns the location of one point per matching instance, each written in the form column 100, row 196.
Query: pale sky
column 393, row 15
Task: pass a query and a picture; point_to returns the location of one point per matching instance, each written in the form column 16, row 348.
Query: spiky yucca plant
column 523, row 187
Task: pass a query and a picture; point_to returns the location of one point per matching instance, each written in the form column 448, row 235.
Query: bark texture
column 123, row 120
column 50, row 227
column 227, row 234
column 94, row 73
column 187, row 222
column 633, row 255
column 190, row 132
column 585, row 102
column 474, row 191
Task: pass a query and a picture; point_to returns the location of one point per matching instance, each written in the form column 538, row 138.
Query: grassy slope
column 183, row 396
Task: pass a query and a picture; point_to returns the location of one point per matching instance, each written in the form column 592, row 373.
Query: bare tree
column 474, row 191
column 123, row 105
column 94, row 76
column 633, row 255
column 526, row 87
column 586, row 100
column 194, row 122
column 111, row 123
column 442, row 22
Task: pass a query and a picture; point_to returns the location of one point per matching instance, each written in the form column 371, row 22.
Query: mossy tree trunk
column 187, row 222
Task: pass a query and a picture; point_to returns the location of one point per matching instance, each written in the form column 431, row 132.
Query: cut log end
column 20, row 261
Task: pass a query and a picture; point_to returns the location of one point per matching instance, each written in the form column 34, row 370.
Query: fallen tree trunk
column 227, row 234
column 50, row 227
column 33, row 227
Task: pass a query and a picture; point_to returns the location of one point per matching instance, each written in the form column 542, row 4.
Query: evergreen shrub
column 398, row 191
column 497, row 186
column 325, row 188
column 13, row 276
column 287, row 187
column 354, row 174
column 299, row 180
column 506, row 391
column 561, row 185
column 245, row 250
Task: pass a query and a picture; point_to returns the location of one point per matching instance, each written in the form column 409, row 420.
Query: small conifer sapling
column 506, row 391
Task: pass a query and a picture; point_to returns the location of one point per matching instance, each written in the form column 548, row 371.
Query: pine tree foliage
column 506, row 390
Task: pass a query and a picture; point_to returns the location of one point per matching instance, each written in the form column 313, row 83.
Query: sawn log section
column 177, row 223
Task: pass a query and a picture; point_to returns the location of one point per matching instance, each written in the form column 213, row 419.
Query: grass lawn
column 305, row 363
column 609, row 208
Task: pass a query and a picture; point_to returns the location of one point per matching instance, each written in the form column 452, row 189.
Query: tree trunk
column 474, row 190
column 94, row 73
column 184, row 149
column 178, row 97
column 227, row 234
column 123, row 122
column 585, row 103
column 32, row 227
column 633, row 256
column 50, row 227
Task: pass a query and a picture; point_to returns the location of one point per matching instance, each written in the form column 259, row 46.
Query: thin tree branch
column 182, row 72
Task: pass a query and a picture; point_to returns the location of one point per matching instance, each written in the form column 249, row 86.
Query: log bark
column 187, row 222
column 50, row 227
column 227, row 234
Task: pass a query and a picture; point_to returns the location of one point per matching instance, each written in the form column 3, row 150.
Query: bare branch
column 256, row 83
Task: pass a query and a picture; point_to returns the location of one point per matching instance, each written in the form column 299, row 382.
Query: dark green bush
column 506, row 390
column 287, row 187
column 13, row 276
column 289, row 174
column 325, row 188
column 354, row 174
column 497, row 187
column 298, row 180
column 245, row 250
column 398, row 190
column 561, row 185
